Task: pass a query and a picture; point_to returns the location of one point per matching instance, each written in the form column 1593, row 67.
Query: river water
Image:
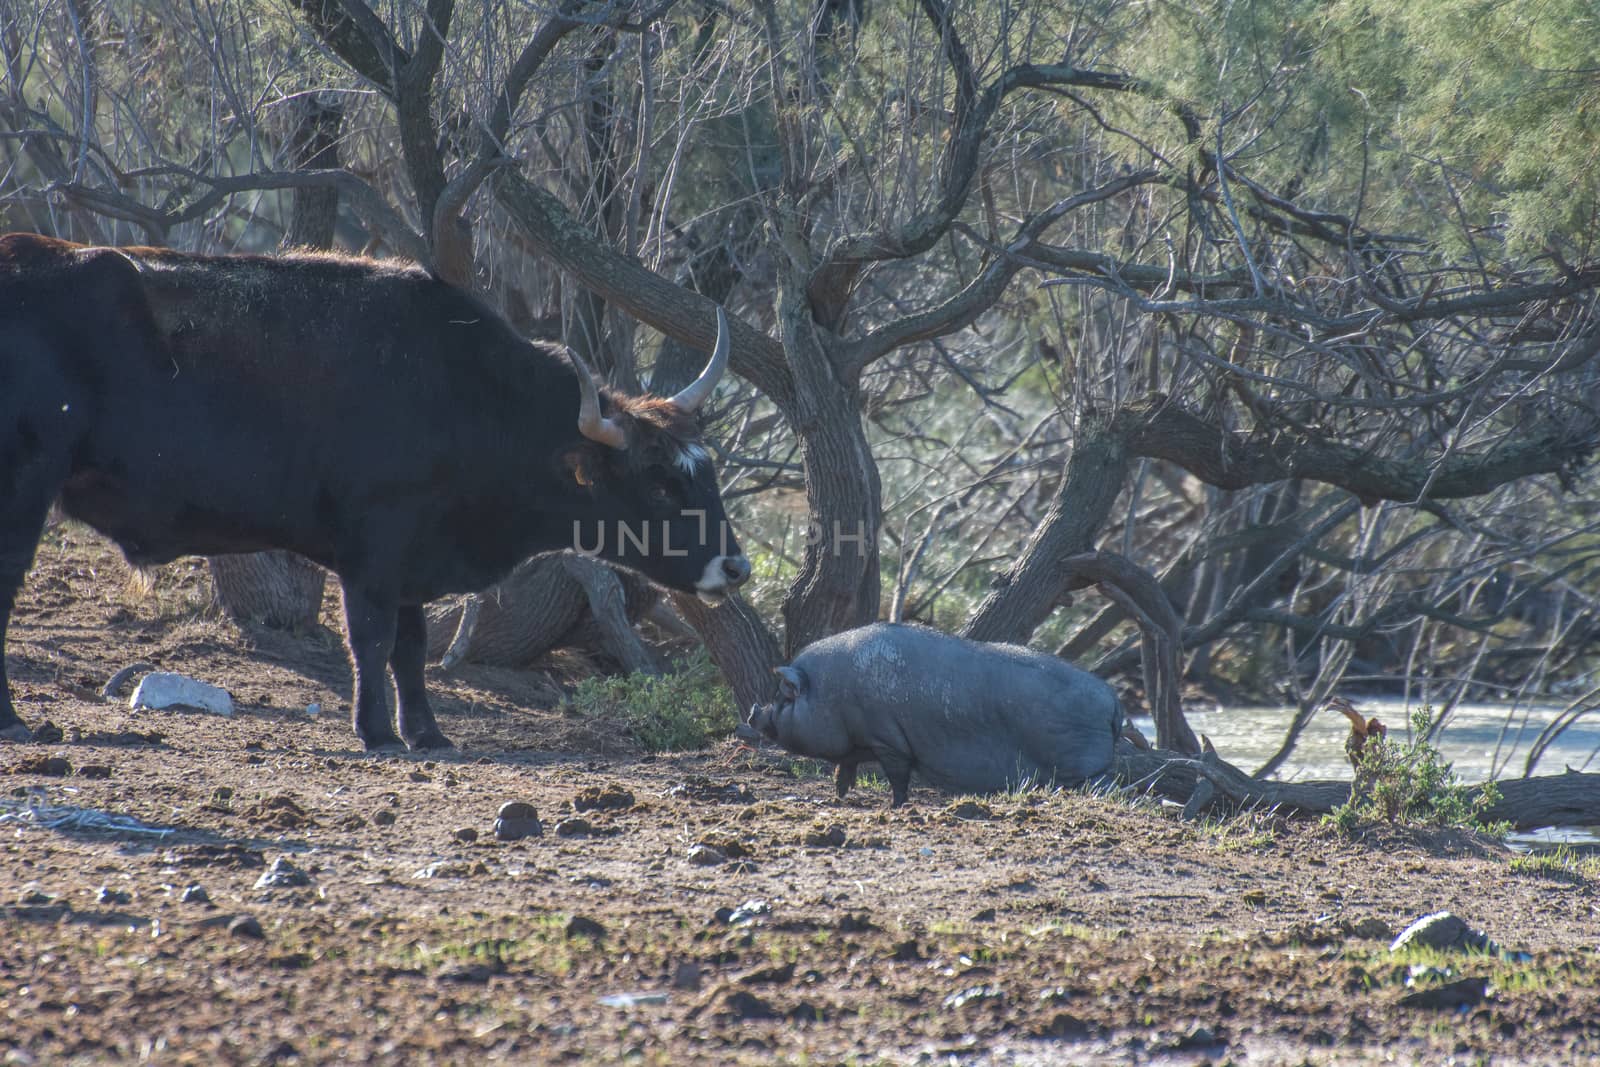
column 1480, row 740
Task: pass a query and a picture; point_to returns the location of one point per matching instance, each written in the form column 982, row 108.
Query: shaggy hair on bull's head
column 658, row 429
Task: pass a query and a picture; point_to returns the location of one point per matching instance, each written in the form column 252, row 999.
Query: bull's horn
column 695, row 393
column 592, row 424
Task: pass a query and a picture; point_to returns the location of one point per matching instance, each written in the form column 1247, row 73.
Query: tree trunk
column 1026, row 594
column 276, row 589
column 542, row 606
column 1570, row 799
column 838, row 584
column 740, row 644
column 280, row 589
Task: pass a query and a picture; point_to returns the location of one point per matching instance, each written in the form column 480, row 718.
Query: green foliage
column 1411, row 784
column 1559, row 864
column 686, row 709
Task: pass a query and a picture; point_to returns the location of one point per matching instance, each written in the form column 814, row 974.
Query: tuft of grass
column 1412, row 784
column 1560, row 864
column 686, row 709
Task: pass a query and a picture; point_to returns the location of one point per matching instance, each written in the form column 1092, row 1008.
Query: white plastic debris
column 163, row 690
column 68, row 817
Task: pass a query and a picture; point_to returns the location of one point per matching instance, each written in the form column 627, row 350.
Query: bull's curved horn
column 695, row 393
column 592, row 424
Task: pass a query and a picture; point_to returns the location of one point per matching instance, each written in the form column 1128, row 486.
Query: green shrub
column 686, row 709
column 1411, row 784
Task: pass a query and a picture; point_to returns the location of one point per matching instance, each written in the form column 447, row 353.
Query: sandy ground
column 709, row 907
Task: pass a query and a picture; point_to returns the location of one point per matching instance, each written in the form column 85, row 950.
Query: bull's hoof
column 429, row 739
column 17, row 731
column 383, row 743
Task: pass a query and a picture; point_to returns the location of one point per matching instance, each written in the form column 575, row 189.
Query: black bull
column 363, row 414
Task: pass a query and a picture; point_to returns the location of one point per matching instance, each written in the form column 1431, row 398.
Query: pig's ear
column 791, row 683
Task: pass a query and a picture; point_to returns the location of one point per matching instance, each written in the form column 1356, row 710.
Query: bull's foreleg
column 22, row 516
column 369, row 627
column 409, row 660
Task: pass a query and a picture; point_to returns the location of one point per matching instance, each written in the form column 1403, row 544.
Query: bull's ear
column 580, row 466
column 791, row 683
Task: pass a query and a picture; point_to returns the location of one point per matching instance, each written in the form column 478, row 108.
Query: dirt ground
column 712, row 907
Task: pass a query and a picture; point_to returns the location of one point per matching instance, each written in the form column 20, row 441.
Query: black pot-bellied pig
column 966, row 717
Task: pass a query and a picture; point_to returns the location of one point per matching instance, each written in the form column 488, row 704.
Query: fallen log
column 1569, row 799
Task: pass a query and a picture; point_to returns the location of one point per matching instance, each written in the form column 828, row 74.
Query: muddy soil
column 710, row 907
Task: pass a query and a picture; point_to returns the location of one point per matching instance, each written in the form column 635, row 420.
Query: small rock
column 1255, row 897
column 1371, row 929
column 32, row 896
column 419, row 776
column 777, row 975
column 517, row 820
column 832, row 836
column 746, row 912
column 282, row 875
column 907, row 952
column 977, row 994
column 106, row 895
column 450, row 869
column 384, row 817
column 466, row 835
column 856, row 924
column 196, row 894
column 313, row 710
column 742, row 1004
column 612, row 797
column 49, row 766
column 970, row 810
column 686, row 975
column 163, row 690
column 471, row 973
column 632, row 1000
column 246, row 926
column 1452, row 996
column 1443, row 930
column 47, row 733
column 583, row 926
column 987, row 915
column 704, row 856
column 94, row 770
column 574, row 827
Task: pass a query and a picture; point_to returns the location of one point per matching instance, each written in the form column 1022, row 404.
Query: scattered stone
column 48, row 733
column 1371, row 928
column 728, row 845
column 419, row 776
column 471, row 973
column 856, row 924
column 113, row 687
column 94, row 770
column 383, row 818
column 831, row 836
column 749, row 911
column 195, row 894
column 775, row 975
column 612, row 797
column 246, row 926
column 686, row 975
column 49, row 766
column 987, row 915
column 742, row 1004
column 583, row 926
column 32, row 896
column 164, row 690
column 977, row 994
column 574, row 827
column 705, row 791
column 907, row 952
column 1064, row 1026
column 281, row 1052
column 1443, row 930
column 1255, row 897
column 1452, row 996
column 970, row 810
column 516, row 820
column 281, row 812
column 703, row 856
column 466, row 835
column 240, row 857
column 106, row 895
column 282, row 875
column 313, row 710
column 452, row 869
